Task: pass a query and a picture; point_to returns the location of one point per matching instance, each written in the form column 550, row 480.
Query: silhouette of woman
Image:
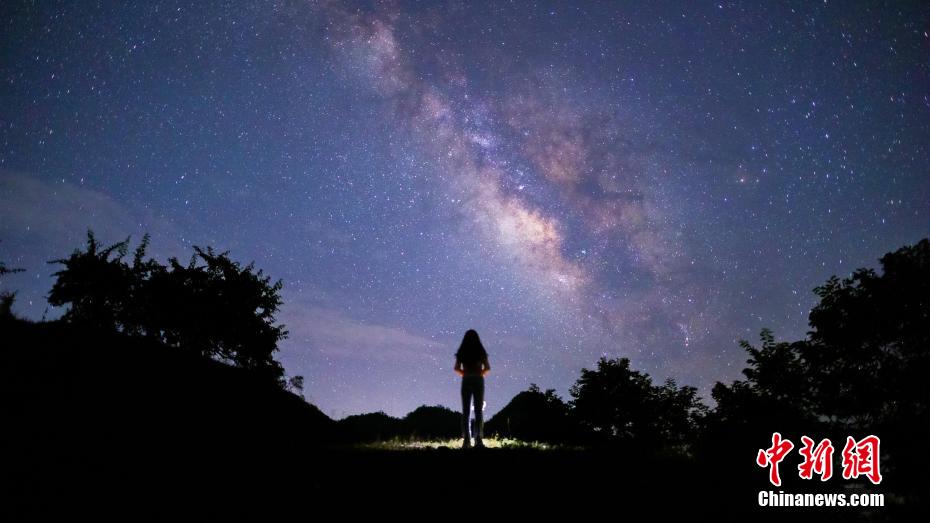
column 471, row 363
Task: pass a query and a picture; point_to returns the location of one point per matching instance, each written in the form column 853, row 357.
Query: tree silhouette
column 213, row 305
column 775, row 396
column 862, row 369
column 101, row 289
column 870, row 339
column 217, row 308
column 619, row 404
column 7, row 297
column 296, row 384
column 777, row 385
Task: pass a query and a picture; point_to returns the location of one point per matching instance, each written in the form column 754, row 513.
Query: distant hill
column 373, row 426
column 533, row 415
column 423, row 423
column 433, row 422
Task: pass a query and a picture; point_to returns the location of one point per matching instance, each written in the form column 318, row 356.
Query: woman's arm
column 487, row 366
column 458, row 368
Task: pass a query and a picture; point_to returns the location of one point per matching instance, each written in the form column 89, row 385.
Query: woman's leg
column 479, row 409
column 466, row 409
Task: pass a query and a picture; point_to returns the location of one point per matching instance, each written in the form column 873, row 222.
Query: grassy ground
column 490, row 443
column 527, row 478
column 410, row 478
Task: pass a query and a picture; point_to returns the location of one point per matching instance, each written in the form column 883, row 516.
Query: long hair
column 471, row 350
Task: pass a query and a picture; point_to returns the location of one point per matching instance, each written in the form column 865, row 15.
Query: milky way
column 571, row 180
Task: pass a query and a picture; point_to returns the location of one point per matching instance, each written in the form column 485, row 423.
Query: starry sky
column 571, row 179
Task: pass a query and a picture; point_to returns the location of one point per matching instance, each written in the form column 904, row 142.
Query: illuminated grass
column 491, row 443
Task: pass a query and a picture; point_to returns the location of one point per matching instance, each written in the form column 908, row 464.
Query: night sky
column 570, row 179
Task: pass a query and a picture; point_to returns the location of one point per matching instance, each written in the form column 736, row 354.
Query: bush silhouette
column 213, row 305
column 618, row 404
column 862, row 370
column 870, row 339
column 7, row 297
column 432, row 423
column 372, row 426
column 534, row 415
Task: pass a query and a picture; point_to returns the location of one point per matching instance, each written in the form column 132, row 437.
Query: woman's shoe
column 466, row 444
column 479, row 444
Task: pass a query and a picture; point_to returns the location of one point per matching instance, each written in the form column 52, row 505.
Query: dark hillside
column 101, row 414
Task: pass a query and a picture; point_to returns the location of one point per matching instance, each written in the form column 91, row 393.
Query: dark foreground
column 150, row 483
column 95, row 427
